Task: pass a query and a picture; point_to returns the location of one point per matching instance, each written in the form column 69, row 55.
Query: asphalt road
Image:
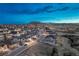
column 17, row 51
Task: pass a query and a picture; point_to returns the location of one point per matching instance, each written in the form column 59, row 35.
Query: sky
column 23, row 13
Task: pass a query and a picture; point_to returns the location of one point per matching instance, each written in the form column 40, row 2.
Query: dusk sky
column 22, row 13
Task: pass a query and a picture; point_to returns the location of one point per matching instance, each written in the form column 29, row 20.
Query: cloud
column 45, row 9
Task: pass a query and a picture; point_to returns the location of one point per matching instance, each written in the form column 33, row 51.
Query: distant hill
column 35, row 22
